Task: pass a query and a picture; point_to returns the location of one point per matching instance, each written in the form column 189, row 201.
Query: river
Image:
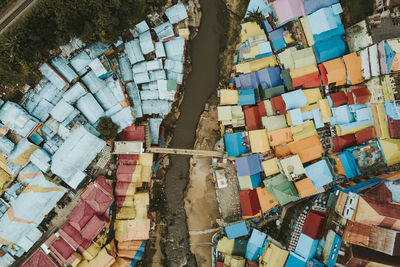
column 201, row 83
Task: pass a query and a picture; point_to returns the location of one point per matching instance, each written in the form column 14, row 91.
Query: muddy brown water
column 201, row 83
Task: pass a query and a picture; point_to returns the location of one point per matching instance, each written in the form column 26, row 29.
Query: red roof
column 81, row 215
column 380, row 199
column 104, row 184
column 124, row 159
column 365, row 135
column 97, row 198
column 252, row 264
column 38, row 259
column 315, row 223
column 249, row 202
column 61, row 249
column 253, row 119
column 338, row 99
column 69, row 233
column 93, row 228
column 307, row 81
column 261, row 108
column 394, row 127
column 324, row 77
column 360, row 94
column 278, row 105
column 342, row 142
column 121, row 188
column 132, row 133
column 124, row 172
column 220, row 264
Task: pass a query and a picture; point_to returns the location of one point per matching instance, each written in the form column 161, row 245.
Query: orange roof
column 266, row 199
column 353, row 66
column 336, row 71
column 282, row 150
column 278, row 137
column 305, row 187
column 308, row 149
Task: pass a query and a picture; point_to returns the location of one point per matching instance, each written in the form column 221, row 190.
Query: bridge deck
column 189, row 152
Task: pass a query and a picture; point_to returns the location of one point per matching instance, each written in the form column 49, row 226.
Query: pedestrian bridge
column 188, row 152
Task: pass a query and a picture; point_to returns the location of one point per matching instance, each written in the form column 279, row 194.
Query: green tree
column 107, row 128
column 256, row 16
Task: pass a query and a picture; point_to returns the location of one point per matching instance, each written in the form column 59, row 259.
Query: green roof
column 282, row 189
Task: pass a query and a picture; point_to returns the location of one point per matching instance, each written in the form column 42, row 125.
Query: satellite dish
column 290, row 168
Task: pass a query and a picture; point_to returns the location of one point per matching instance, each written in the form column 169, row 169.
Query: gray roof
column 125, row 68
column 160, row 51
column 142, row 26
column 17, row 119
column 53, row 76
column 124, row 118
column 178, row 77
column 164, row 31
column 160, row 107
column 175, row 66
column 42, row 110
column 155, row 130
column 134, row 97
column 81, row 62
column 50, row 93
column 62, row 110
column 74, row 93
column 155, row 64
column 6, row 146
column 157, row 75
column 106, row 98
column 41, row 159
column 150, row 86
column 146, row 42
column 61, row 65
column 140, row 78
column 176, row 13
column 97, row 49
column 133, row 50
column 139, row 67
column 75, row 154
column 93, row 82
column 175, row 49
column 149, row 94
column 90, row 108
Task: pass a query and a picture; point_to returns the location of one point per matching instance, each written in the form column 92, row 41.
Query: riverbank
column 200, row 200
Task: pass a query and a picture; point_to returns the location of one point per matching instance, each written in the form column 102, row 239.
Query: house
column 53, row 76
column 334, row 72
column 246, row 97
column 311, row 6
column 292, row 167
column 295, row 260
column 326, row 22
column 282, row 189
column 319, row 173
column 236, row 144
column 252, row 116
column 228, row 97
column 249, row 203
column 353, row 67
column 305, row 187
column 250, row 165
column 306, row 246
column 314, row 225
column 281, row 136
column 307, row 149
column 231, row 115
column 259, row 141
column 236, row 230
column 270, row 166
column 79, row 150
column 330, row 48
column 39, row 259
column 176, row 13
column 273, row 256
column 272, row 123
column 288, row 10
column 266, row 199
column 255, row 245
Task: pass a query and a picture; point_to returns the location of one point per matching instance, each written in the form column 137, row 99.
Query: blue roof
column 235, row 144
column 160, row 107
column 246, row 81
column 123, row 118
column 295, row 260
column 176, row 13
column 363, row 185
column 175, row 48
column 306, row 246
column 269, row 77
column 6, row 146
column 339, row 30
column 90, row 108
column 323, row 20
column 389, row 55
column 391, row 110
column 81, row 62
column 294, row 99
column 341, row 115
column 311, row 6
column 134, row 97
column 53, row 76
column 255, row 245
column 261, row 5
column 319, row 173
column 330, row 48
column 125, row 67
column 248, row 165
column 277, row 39
column 237, row 230
column 349, row 164
column 246, row 97
column 267, row 27
column 337, row 241
column 155, row 129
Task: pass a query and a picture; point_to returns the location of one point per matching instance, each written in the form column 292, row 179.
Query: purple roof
column 269, row 77
column 246, row 81
column 248, row 165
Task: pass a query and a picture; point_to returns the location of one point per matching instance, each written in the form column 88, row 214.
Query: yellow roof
column 250, row 29
column 91, row 252
column 304, row 130
column 270, row 166
column 363, row 211
column 299, row 72
column 326, row 111
column 266, row 199
column 126, row 230
column 256, row 65
column 184, row 33
column 304, row 57
column 226, row 246
column 391, row 150
column 387, row 90
column 307, row 30
column 341, row 132
column 103, row 259
column 259, row 141
column 312, row 95
column 229, row 97
column 380, row 120
column 126, row 213
column 274, row 256
column 146, row 159
column 286, row 58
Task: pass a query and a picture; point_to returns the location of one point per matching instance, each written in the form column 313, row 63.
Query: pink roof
column 121, row 188
column 61, row 251
column 287, row 10
column 124, row 173
column 124, row 159
column 93, row 228
column 104, row 184
column 38, row 259
column 132, row 133
column 81, row 215
column 71, row 235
